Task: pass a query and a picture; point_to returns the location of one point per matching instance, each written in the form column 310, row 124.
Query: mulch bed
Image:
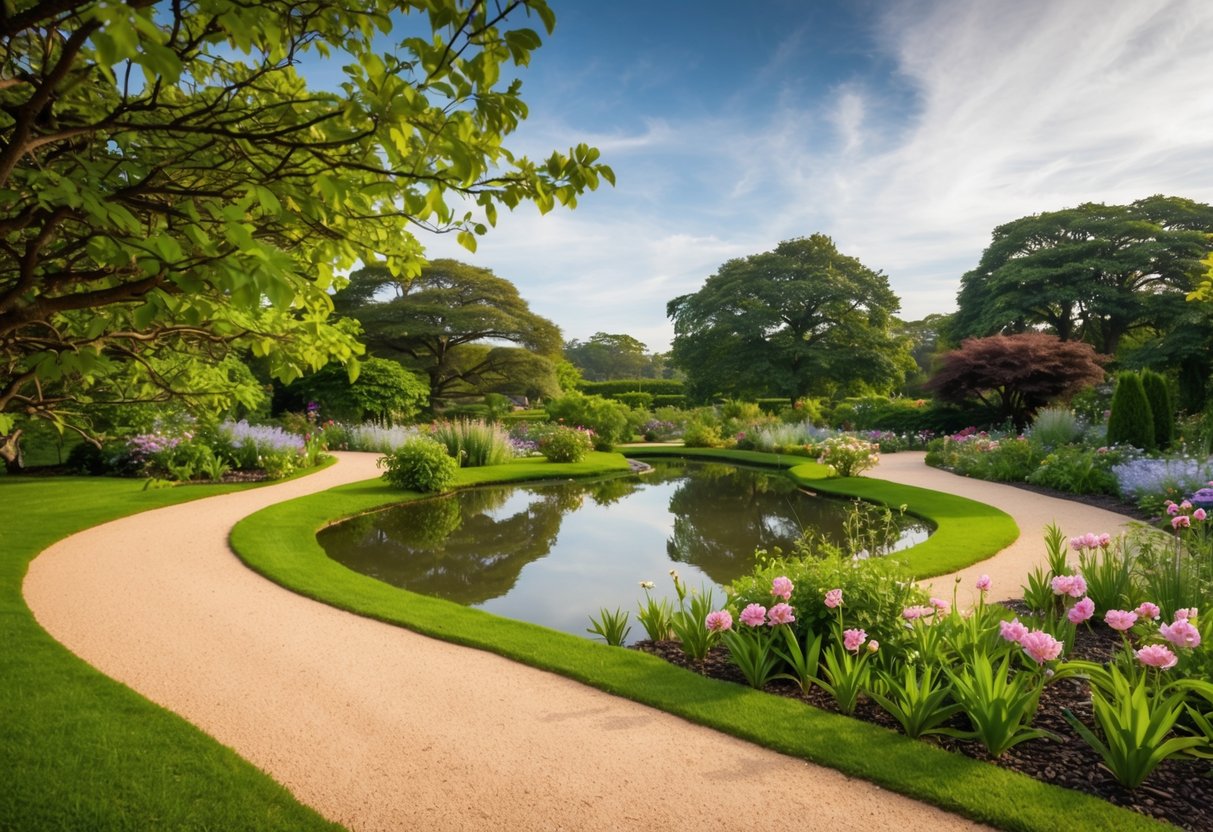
column 1179, row 791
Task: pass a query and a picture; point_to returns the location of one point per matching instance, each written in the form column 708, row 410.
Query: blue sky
column 905, row 130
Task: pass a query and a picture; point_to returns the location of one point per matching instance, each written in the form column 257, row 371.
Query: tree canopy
column 607, row 356
column 1017, row 374
column 171, row 190
column 1095, row 273
column 801, row 320
column 455, row 323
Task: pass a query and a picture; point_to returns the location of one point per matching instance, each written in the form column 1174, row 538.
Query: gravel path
column 361, row 720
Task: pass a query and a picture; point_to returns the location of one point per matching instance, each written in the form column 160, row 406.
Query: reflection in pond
column 553, row 553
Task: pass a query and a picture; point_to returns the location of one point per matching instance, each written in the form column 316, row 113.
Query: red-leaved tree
column 1017, row 374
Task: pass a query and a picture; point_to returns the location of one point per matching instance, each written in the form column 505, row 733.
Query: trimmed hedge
column 656, row 386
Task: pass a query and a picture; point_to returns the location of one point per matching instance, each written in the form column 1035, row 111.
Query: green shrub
column 639, row 401
column 848, row 456
column 420, row 464
column 561, row 444
column 663, row 400
column 1161, row 408
column 1009, row 459
column 655, row 386
column 1076, row 470
column 699, row 434
column 609, row 420
column 1131, row 421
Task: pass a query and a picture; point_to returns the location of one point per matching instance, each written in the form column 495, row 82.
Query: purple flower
column 754, row 615
column 780, row 614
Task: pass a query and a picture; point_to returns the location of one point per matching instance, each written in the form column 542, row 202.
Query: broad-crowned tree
column 172, row 189
column 801, row 320
column 432, row 322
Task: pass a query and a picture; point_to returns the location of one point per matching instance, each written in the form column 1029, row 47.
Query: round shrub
column 1131, row 422
column 561, row 444
column 847, row 455
column 420, row 464
column 609, row 420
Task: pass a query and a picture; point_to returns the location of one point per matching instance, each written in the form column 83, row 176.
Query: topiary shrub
column 1161, row 408
column 420, row 464
column 1131, row 421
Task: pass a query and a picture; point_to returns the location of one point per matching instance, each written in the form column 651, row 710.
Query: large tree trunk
column 10, row 452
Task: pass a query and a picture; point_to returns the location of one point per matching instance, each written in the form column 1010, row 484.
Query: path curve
column 1032, row 512
column 383, row 729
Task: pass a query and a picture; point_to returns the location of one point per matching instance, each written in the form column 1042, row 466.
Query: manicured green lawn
column 280, row 542
column 81, row 752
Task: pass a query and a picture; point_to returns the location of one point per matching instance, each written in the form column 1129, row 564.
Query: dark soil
column 1179, row 791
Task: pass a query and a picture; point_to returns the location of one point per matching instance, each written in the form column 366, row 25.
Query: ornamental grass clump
column 384, row 439
column 474, row 443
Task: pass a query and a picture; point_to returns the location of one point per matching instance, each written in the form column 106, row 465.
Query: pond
column 553, row 553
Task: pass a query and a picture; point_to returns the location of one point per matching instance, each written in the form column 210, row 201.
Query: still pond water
column 554, row 553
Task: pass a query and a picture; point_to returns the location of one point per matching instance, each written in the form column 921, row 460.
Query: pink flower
column 755, row 615
column 834, row 598
column 1012, row 630
column 853, row 639
column 1076, row 543
column 1105, row 540
column 780, row 614
column 983, row 583
column 1181, row 522
column 1172, row 509
column 873, row 646
column 1081, row 611
column 1155, row 655
column 1185, row 505
column 942, row 606
column 1199, row 514
column 1073, row 585
column 1181, row 633
column 1148, row 610
column 719, row 621
column 781, row 587
column 1040, row 646
column 1120, row 620
column 1184, row 613
column 917, row 611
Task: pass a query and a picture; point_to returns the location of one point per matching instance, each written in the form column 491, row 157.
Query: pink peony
column 1040, row 646
column 1181, row 633
column 1073, row 585
column 1172, row 509
column 781, row 587
column 1155, row 655
column 1184, row 613
column 983, row 583
column 1076, row 543
column 1181, row 522
column 853, row 639
column 1081, row 611
column 834, row 598
column 1105, row 540
column 1012, row 630
column 1120, row 620
column 1185, row 506
column 1199, row 514
column 873, row 646
column 942, row 606
column 1148, row 610
column 917, row 611
column 780, row 614
column 755, row 615
column 719, row 621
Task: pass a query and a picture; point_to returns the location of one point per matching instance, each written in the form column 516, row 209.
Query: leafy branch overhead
column 172, row 190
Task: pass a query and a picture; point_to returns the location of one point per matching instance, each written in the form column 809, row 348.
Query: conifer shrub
column 1131, row 421
column 1161, row 408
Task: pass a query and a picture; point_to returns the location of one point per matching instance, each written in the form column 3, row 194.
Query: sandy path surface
column 378, row 727
column 1008, row 570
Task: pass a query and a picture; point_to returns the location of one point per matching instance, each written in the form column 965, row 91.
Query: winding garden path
column 382, row 729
